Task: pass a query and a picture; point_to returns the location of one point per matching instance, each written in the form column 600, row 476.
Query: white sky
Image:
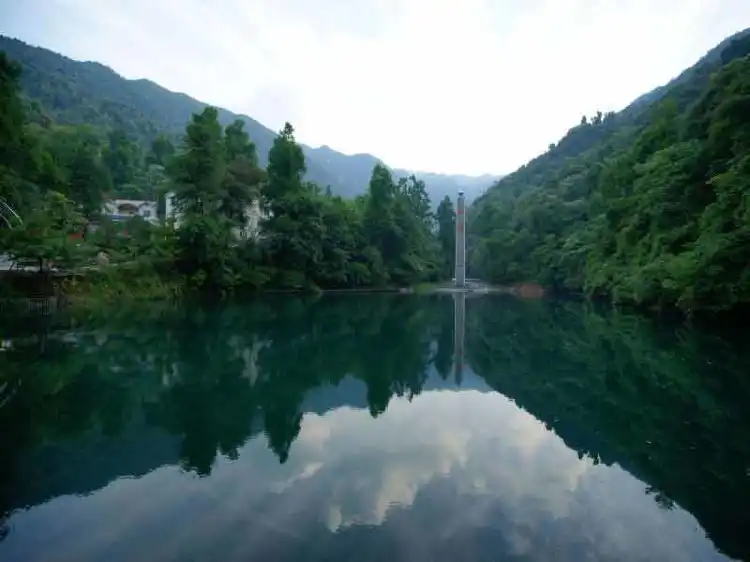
column 452, row 86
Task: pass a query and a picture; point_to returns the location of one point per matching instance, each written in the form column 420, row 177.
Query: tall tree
column 198, row 176
column 286, row 167
column 123, row 158
column 199, row 171
column 243, row 176
column 294, row 228
column 161, row 151
column 89, row 180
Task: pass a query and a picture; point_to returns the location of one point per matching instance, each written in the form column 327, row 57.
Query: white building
column 124, row 209
column 250, row 231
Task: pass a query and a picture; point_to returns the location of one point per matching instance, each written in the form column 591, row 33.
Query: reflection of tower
column 459, row 315
column 460, row 241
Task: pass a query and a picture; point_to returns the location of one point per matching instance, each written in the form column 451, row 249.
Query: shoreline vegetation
column 646, row 208
column 236, row 227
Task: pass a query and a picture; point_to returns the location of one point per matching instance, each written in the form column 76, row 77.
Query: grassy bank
column 130, row 282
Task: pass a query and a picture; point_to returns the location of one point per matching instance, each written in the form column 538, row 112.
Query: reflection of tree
column 208, row 403
column 211, row 377
column 668, row 406
column 670, row 409
column 39, row 404
column 382, row 341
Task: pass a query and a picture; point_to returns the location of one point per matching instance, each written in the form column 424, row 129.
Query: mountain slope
column 698, row 73
column 647, row 205
column 73, row 92
column 615, row 129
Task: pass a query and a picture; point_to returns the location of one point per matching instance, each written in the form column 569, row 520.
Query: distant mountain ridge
column 75, row 92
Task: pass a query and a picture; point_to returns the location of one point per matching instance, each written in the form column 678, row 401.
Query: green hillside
column 647, row 205
column 72, row 92
column 56, row 175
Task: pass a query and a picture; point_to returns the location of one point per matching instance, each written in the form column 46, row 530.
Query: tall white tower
column 460, row 241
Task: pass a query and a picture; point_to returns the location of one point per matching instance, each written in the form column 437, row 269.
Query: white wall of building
column 251, row 230
column 122, row 209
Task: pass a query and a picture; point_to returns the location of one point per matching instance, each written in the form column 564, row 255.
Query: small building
column 124, row 209
column 251, row 230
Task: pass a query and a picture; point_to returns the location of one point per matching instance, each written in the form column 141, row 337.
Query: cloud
column 472, row 86
column 444, row 467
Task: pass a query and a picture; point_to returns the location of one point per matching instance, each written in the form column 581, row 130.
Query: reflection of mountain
column 410, row 485
column 121, row 400
column 353, row 392
column 348, row 392
column 669, row 408
column 129, row 396
column 522, row 487
column 92, row 461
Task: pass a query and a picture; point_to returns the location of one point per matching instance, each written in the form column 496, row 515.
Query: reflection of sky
column 445, row 474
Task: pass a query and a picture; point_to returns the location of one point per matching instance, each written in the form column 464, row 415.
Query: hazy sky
column 457, row 86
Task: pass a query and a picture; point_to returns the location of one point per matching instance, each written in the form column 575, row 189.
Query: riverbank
column 25, row 290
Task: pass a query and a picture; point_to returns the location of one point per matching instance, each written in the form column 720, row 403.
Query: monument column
column 460, row 241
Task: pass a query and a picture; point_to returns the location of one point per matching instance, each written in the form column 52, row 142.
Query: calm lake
column 390, row 427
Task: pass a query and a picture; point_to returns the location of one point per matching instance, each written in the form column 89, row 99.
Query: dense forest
column 650, row 205
column 647, row 205
column 57, row 177
column 71, row 92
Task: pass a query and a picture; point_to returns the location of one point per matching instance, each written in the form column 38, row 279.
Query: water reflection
column 333, row 430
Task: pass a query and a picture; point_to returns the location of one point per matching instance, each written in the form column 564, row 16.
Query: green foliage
column 161, row 151
column 236, row 225
column 11, row 114
column 211, row 198
column 286, row 167
column 650, row 207
column 122, row 157
column 14, row 143
column 446, row 219
column 45, row 235
column 628, row 390
column 399, row 227
column 313, row 239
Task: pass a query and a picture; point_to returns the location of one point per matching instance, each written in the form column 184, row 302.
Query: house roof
column 133, row 202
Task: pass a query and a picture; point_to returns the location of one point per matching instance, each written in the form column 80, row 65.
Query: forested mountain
column 650, row 204
column 56, row 175
column 73, row 92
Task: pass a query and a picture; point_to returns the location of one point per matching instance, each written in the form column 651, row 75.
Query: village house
column 124, row 209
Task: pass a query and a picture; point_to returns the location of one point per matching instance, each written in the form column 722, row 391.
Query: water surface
column 373, row 428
